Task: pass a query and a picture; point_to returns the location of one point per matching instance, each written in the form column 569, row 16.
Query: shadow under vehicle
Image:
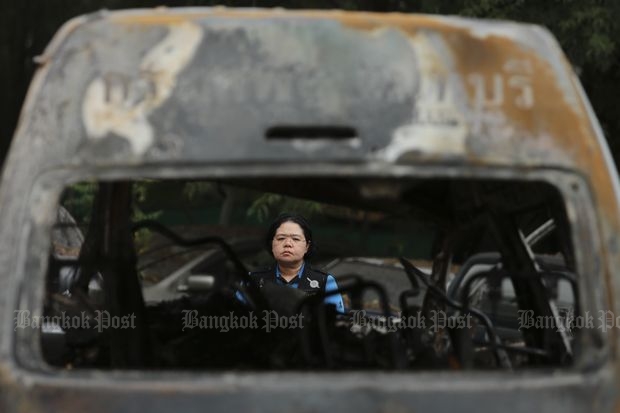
column 407, row 139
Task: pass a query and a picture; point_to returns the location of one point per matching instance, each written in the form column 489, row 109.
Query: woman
column 289, row 239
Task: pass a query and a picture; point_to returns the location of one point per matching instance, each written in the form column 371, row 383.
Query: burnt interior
column 478, row 253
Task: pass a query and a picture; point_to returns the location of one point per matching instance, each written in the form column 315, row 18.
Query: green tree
column 268, row 205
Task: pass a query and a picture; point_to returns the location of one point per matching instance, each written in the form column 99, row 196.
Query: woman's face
column 289, row 244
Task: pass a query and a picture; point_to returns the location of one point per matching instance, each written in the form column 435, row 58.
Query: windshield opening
column 388, row 274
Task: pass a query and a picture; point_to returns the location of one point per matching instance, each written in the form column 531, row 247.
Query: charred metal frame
column 563, row 181
column 96, row 112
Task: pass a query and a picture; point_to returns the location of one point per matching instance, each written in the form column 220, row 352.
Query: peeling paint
column 438, row 125
column 122, row 106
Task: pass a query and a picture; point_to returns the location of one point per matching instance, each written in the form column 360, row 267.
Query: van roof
column 249, row 85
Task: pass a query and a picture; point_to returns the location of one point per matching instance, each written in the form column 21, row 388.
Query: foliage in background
column 78, row 200
column 195, row 190
column 269, row 205
column 142, row 237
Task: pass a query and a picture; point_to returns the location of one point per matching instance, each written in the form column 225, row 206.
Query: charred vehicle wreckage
column 459, row 187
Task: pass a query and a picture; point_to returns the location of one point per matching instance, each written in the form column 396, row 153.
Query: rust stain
column 366, row 21
column 568, row 126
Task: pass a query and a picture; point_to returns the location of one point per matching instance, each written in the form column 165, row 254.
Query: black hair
column 297, row 219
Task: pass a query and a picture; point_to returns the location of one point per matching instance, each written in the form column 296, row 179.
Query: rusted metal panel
column 163, row 85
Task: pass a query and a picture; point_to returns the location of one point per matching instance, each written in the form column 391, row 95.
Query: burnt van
column 458, row 186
